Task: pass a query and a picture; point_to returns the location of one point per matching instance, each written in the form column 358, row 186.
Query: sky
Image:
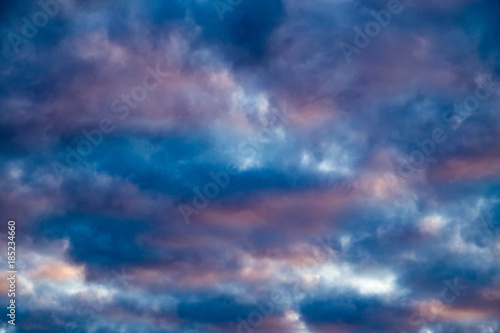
column 251, row 166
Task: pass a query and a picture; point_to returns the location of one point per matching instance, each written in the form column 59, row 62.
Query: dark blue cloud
column 313, row 194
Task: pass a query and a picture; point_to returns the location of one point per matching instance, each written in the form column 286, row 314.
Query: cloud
column 315, row 208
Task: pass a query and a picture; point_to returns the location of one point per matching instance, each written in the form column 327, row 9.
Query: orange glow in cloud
column 57, row 271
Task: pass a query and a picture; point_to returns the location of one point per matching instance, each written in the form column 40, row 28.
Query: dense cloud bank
column 252, row 165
